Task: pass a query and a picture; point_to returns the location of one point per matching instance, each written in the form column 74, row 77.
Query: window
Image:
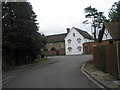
column 78, row 40
column 62, row 45
column 69, row 41
column 79, row 48
column 69, row 49
column 73, row 34
column 51, row 43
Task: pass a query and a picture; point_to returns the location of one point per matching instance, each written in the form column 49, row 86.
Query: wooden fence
column 105, row 58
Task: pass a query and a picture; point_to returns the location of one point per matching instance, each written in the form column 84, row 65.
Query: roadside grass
column 38, row 60
column 41, row 60
column 97, row 72
column 90, row 67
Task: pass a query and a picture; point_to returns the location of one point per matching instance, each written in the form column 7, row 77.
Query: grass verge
column 98, row 73
column 41, row 60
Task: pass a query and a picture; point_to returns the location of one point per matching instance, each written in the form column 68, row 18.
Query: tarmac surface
column 58, row 72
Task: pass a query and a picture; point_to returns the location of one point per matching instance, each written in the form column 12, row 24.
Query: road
column 65, row 73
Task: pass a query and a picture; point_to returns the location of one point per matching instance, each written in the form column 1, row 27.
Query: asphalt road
column 65, row 73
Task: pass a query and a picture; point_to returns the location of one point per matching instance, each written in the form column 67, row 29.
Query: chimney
column 68, row 30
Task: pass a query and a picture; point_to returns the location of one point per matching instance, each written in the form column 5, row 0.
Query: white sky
column 54, row 16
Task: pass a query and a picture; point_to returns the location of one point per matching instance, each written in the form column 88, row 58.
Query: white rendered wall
column 108, row 35
column 74, row 44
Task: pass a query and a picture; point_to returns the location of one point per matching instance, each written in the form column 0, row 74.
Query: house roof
column 56, row 38
column 114, row 29
column 84, row 33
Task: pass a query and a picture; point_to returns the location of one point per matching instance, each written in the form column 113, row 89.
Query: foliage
column 114, row 13
column 21, row 40
column 97, row 19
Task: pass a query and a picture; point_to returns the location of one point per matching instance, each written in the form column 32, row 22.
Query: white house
column 74, row 40
column 106, row 35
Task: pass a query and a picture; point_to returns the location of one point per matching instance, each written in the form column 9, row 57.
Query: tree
column 21, row 40
column 97, row 19
column 114, row 13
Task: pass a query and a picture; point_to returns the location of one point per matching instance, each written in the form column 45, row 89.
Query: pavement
column 101, row 79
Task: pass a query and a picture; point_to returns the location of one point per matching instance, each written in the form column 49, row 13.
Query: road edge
column 14, row 75
column 93, row 79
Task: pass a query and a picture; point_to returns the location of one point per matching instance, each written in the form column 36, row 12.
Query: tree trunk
column 101, row 33
column 95, row 33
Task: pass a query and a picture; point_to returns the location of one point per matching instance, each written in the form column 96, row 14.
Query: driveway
column 65, row 73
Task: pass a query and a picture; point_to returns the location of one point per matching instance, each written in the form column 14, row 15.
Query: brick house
column 55, row 45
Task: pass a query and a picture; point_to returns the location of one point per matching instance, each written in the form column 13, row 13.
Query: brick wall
column 88, row 46
column 59, row 49
column 50, row 53
column 62, row 52
column 55, row 52
column 57, row 45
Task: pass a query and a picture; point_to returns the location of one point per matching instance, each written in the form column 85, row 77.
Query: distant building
column 70, row 43
column 55, row 45
column 74, row 41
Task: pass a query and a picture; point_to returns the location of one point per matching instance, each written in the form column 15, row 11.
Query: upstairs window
column 78, row 40
column 69, row 49
column 69, row 41
column 73, row 34
column 79, row 48
column 51, row 43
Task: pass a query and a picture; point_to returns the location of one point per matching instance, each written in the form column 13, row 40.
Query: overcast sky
column 54, row 16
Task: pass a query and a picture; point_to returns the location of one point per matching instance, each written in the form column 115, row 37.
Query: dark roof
column 114, row 29
column 56, row 38
column 84, row 33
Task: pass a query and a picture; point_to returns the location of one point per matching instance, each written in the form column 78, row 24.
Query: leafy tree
column 21, row 40
column 97, row 19
column 114, row 13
